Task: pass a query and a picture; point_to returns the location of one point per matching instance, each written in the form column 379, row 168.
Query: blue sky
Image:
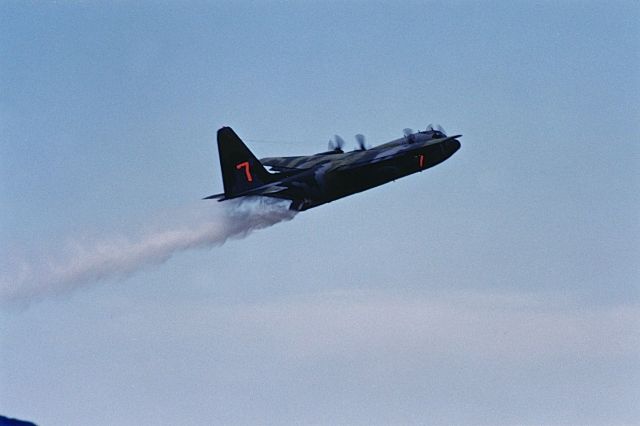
column 500, row 287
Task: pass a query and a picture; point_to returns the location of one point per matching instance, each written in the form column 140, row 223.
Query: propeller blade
column 407, row 132
column 336, row 143
column 429, row 127
column 361, row 142
column 441, row 129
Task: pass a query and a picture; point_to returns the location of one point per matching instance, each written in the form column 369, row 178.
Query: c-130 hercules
column 310, row 181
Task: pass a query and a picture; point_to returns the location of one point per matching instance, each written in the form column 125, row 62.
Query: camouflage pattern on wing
column 351, row 158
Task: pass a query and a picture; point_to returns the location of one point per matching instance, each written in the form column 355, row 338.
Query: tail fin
column 241, row 170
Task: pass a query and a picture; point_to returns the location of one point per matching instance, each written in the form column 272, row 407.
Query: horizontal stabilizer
column 213, row 197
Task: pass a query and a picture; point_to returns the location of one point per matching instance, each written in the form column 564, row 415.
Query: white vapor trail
column 121, row 257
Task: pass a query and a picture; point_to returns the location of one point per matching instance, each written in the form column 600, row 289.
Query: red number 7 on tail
column 245, row 165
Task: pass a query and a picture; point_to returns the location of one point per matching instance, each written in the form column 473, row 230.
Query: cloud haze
column 391, row 358
column 518, row 326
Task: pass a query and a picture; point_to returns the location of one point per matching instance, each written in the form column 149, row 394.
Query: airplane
column 310, row 181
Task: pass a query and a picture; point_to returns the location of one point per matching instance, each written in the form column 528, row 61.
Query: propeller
column 408, row 134
column 336, row 143
column 361, row 142
column 441, row 129
column 429, row 127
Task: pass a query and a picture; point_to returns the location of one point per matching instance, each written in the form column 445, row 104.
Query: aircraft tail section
column 241, row 170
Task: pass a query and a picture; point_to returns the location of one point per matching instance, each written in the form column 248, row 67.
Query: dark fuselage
column 313, row 180
column 333, row 176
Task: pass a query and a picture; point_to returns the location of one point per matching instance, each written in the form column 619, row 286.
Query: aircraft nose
column 452, row 146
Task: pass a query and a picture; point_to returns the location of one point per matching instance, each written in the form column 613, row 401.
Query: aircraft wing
column 304, row 162
column 372, row 157
column 285, row 163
